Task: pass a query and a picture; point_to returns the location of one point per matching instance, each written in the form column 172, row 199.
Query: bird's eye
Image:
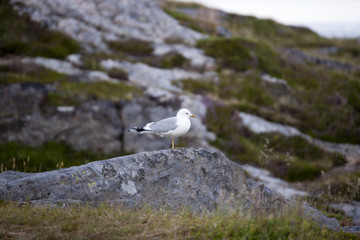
column 187, row 113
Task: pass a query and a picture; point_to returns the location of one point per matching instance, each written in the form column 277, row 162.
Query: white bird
column 173, row 127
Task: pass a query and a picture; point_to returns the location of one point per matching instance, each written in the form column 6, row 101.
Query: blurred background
column 275, row 86
column 328, row 18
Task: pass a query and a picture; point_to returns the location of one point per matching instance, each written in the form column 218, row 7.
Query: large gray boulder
column 196, row 178
column 93, row 23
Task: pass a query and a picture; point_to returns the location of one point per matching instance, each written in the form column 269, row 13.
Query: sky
column 330, row 18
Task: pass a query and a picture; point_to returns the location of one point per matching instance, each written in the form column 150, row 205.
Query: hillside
column 74, row 78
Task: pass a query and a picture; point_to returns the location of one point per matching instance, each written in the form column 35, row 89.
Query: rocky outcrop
column 93, row 23
column 67, row 68
column 94, row 125
column 297, row 56
column 196, row 56
column 196, row 178
column 259, row 125
column 147, row 76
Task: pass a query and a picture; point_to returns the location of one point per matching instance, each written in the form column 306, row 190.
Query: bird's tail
column 137, row 129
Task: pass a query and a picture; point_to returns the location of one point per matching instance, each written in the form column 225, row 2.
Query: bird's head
column 184, row 113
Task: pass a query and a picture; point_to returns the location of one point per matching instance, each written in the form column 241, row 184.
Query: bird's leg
column 172, row 140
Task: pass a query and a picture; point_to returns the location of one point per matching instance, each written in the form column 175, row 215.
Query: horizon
column 329, row 18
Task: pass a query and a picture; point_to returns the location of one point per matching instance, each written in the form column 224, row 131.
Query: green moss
column 105, row 90
column 197, row 86
column 172, row 61
column 19, row 73
column 21, row 36
column 61, row 99
column 247, row 89
column 132, row 46
column 240, row 54
column 50, row 156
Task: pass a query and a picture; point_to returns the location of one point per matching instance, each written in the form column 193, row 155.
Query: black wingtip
column 137, row 129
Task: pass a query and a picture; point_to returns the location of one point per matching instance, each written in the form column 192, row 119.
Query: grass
column 132, row 47
column 305, row 104
column 114, row 222
column 103, row 90
column 293, row 158
column 50, row 156
column 275, row 34
column 19, row 35
column 20, row 73
column 240, row 54
column 196, row 24
column 338, row 187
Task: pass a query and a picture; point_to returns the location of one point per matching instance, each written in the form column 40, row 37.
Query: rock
column 273, row 183
column 297, row 56
column 97, row 76
column 93, row 23
column 351, row 209
column 258, row 125
column 93, row 125
column 147, row 76
column 273, row 80
column 223, row 31
column 196, row 56
column 56, row 65
column 18, row 100
column 75, row 59
column 67, row 68
column 196, row 178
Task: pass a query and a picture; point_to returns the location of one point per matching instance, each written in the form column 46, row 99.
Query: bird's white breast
column 183, row 124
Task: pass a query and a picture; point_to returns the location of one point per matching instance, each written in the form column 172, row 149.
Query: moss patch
column 105, row 90
column 50, row 156
column 132, row 47
column 19, row 73
column 21, row 36
column 240, row 54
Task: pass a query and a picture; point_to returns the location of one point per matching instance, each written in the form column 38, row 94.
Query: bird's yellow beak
column 193, row 116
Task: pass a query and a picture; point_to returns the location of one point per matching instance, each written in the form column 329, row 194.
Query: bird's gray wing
column 164, row 125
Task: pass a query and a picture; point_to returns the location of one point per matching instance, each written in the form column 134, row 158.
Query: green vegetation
column 72, row 93
column 293, row 158
column 20, row 73
column 21, row 36
column 114, row 222
column 132, row 47
column 198, row 24
column 241, row 54
column 50, row 156
column 104, row 90
column 337, row 187
column 273, row 33
column 305, row 104
column 172, row 61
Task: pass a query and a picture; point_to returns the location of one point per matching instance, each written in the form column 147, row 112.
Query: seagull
column 173, row 127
